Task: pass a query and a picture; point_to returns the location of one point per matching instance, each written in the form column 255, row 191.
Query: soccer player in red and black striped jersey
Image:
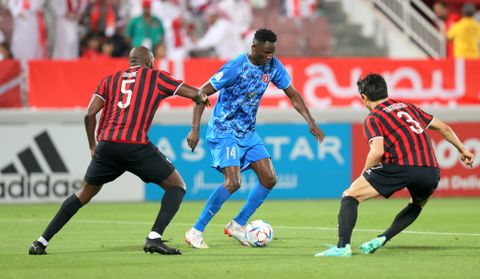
column 401, row 156
column 129, row 100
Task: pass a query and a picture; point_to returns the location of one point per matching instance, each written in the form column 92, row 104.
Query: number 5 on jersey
column 129, row 92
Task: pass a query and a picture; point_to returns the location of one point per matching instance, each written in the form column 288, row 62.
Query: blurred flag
column 10, row 76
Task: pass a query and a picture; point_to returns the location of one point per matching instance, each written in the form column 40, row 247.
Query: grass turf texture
column 106, row 240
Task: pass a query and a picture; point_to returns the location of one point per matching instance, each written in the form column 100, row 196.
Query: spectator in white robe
column 241, row 15
column 239, row 12
column 67, row 15
column 221, row 35
column 28, row 34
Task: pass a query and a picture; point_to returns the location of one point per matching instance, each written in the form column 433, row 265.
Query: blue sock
column 215, row 201
column 255, row 198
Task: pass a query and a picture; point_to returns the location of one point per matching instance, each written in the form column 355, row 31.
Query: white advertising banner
column 46, row 163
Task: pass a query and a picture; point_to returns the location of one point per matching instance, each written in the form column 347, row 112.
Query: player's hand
column 316, row 132
column 92, row 151
column 202, row 99
column 467, row 157
column 193, row 138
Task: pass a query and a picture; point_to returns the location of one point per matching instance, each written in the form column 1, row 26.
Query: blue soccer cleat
column 334, row 251
column 372, row 245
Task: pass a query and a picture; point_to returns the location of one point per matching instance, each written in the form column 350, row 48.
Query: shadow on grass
column 101, row 249
column 215, row 252
column 276, row 251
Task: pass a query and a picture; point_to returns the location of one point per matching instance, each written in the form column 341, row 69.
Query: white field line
column 220, row 225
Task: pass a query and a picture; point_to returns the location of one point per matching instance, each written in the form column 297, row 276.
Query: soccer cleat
column 37, row 248
column 158, row 245
column 372, row 245
column 334, row 251
column 194, row 238
column 233, row 229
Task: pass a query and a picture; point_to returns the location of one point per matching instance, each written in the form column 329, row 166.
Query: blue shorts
column 230, row 151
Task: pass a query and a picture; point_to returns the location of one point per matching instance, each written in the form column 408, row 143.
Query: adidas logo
column 30, row 163
column 42, row 174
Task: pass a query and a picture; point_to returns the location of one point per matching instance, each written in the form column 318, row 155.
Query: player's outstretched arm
column 448, row 133
column 90, row 120
column 299, row 104
column 194, row 134
column 194, row 94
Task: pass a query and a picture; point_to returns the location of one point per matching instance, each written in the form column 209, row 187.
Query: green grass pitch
column 104, row 240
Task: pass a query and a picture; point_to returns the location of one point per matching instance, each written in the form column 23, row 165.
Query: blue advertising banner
column 305, row 168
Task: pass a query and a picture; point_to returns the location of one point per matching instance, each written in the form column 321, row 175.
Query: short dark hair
column 468, row 9
column 373, row 86
column 263, row 35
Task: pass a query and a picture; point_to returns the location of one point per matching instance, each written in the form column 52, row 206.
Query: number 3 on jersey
column 416, row 128
column 126, row 91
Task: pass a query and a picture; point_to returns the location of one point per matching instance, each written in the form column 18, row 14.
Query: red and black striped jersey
column 131, row 98
column 403, row 128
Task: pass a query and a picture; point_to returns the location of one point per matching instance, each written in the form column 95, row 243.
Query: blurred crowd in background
column 177, row 29
column 462, row 28
column 98, row 29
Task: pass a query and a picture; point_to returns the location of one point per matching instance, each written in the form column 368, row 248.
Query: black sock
column 406, row 217
column 69, row 207
column 170, row 203
column 346, row 220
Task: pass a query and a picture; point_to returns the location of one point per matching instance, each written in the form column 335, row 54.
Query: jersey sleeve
column 372, row 128
column 101, row 89
column 167, row 84
column 281, row 79
column 424, row 116
column 227, row 74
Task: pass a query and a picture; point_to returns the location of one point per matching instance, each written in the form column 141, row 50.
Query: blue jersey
column 241, row 86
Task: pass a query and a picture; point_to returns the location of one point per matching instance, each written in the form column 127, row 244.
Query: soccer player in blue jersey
column 231, row 137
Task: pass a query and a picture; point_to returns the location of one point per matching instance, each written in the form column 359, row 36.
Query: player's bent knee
column 269, row 182
column 420, row 203
column 353, row 194
column 173, row 180
column 180, row 183
column 183, row 186
column 346, row 193
column 87, row 192
column 232, row 185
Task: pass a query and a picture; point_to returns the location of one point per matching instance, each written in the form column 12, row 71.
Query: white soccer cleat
column 194, row 238
column 233, row 229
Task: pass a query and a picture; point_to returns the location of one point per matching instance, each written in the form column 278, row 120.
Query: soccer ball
column 259, row 233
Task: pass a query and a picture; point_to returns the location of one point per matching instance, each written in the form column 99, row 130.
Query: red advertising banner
column 456, row 178
column 67, row 84
column 324, row 83
column 10, row 77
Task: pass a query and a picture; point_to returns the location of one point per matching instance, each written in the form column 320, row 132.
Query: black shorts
column 111, row 159
column 421, row 182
